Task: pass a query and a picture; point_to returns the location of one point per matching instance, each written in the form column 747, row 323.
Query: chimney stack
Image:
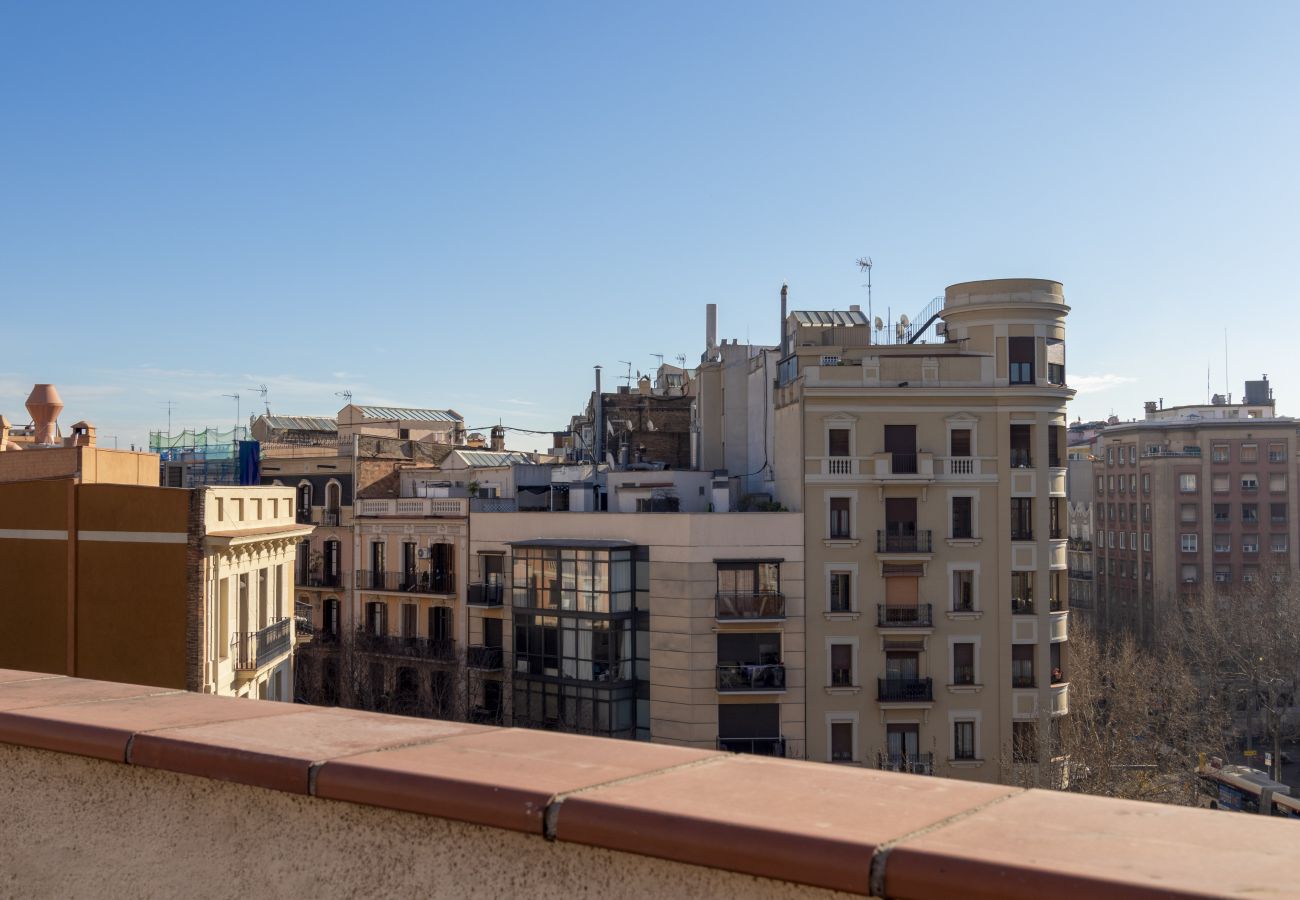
column 498, row 438
column 44, row 406
column 710, row 326
column 785, row 288
column 598, row 439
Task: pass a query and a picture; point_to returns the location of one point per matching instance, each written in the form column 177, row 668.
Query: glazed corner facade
column 881, row 599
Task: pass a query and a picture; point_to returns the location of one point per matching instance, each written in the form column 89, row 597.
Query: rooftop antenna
column 262, row 389
column 169, row 404
column 346, row 395
column 235, row 397
column 1226, row 382
column 681, row 359
column 864, row 265
column 658, row 356
column 628, row 376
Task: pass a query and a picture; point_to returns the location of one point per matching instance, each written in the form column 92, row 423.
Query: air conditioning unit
column 941, row 329
column 421, row 552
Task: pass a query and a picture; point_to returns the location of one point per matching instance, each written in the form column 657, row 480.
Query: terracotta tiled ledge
column 847, row 829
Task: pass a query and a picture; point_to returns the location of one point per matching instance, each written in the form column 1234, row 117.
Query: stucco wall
column 76, row 827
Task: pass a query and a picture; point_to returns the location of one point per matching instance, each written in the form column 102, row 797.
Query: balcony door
column 900, row 443
column 333, row 561
column 408, row 565
column 902, row 665
column 900, row 524
column 442, row 566
column 904, row 741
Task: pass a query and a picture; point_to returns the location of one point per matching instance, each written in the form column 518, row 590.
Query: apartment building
column 932, row 481
column 1189, row 497
column 682, row 628
column 108, row 575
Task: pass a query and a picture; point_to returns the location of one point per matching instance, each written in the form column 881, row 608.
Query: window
column 1221, row 513
column 1101, row 484
column 1123, row 513
column 1222, row 543
column 1277, row 483
column 1133, row 454
column 1146, row 541
column 1055, row 361
column 1121, row 541
column 1123, row 488
column 658, row 503
column 1220, row 484
column 1250, row 453
column 1110, row 484
column 1022, row 437
column 409, row 619
column 1249, row 574
column 1022, row 665
column 1187, row 512
column 1110, row 539
column 1250, row 512
column 963, row 590
column 1250, row 543
column 1022, row 518
column 1110, row 512
column 837, row 440
column 1132, row 484
column 841, row 592
column 963, row 739
column 1219, row 453
column 1188, row 543
column 1277, row 453
column 1278, row 543
column 1146, row 512
column 1022, row 592
column 963, row 522
column 377, row 619
column 1250, row 482
column 1223, row 574
column 1277, row 512
column 1190, row 573
column 1024, row 742
column 1055, row 530
column 840, row 518
column 841, row 665
column 963, row 663
column 1146, row 482
column 1110, row 456
column 841, row 742
column 959, row 442
column 1187, row 482
column 1020, row 355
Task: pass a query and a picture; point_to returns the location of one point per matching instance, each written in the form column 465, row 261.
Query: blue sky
column 471, row 205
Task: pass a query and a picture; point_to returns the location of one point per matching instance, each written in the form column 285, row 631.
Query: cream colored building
column 932, row 481
column 682, row 628
column 249, row 541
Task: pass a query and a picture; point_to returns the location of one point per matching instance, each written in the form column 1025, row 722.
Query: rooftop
column 301, row 423
column 830, row 317
column 409, row 415
column 157, row 788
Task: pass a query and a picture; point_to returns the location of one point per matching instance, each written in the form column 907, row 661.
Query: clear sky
column 471, row 205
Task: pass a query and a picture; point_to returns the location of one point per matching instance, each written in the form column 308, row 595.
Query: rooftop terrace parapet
column 149, row 784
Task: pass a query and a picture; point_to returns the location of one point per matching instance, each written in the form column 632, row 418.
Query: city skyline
column 202, row 202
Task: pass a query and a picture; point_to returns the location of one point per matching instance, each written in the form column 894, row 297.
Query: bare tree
column 1244, row 641
column 1136, row 724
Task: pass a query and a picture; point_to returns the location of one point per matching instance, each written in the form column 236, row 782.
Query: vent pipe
column 785, row 288
column 44, row 406
column 598, row 439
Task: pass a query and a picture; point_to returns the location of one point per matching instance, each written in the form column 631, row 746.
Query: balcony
column 906, row 690
column 250, row 650
column 912, row 763
column 1022, row 606
column 303, row 625
column 917, row 616
column 487, row 595
column 318, row 578
column 960, row 466
column 751, row 679
column 749, row 605
column 405, row 582
column 901, row 467
column 409, row 647
column 1023, row 681
column 413, row 508
column 487, row 659
column 329, row 518
column 303, row 516
column 903, row 543
column 757, row 746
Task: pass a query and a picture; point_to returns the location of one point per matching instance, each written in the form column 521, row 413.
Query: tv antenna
column 262, row 389
column 681, row 360
column 346, row 395
column 628, row 376
column 169, row 404
column 864, row 265
column 234, row 397
column 658, row 356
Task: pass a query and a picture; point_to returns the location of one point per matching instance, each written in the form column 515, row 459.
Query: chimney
column 710, row 326
column 854, row 307
column 498, row 438
column 785, row 289
column 643, row 385
column 83, row 434
column 1150, row 406
column 44, row 406
column 598, row 439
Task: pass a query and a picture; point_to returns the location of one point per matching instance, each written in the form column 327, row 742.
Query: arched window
column 333, row 496
column 304, row 501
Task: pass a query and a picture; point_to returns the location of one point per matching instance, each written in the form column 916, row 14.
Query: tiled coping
column 848, row 829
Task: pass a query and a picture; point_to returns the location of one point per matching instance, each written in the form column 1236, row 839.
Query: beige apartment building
column 681, row 628
column 1190, row 498
column 932, row 480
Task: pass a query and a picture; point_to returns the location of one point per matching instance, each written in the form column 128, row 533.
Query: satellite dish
column 902, row 320
column 880, row 325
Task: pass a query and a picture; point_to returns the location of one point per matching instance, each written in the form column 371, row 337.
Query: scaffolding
column 197, row 458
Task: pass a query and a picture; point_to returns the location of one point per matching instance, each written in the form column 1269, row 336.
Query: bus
column 1241, row 788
